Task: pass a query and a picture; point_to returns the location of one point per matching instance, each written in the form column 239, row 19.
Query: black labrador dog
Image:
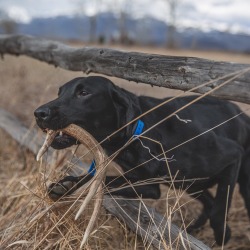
column 220, row 156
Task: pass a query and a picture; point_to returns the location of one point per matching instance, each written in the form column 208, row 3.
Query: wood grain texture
column 153, row 232
column 182, row 73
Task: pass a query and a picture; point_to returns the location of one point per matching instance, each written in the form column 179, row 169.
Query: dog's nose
column 42, row 113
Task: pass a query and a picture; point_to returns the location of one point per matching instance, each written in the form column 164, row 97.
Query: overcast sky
column 231, row 15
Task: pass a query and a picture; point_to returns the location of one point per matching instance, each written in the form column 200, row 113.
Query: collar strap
column 138, row 130
column 139, row 127
column 92, row 169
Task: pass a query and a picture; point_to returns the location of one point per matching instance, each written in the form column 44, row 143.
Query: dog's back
column 227, row 120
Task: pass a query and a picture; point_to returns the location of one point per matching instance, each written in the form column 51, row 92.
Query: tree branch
column 173, row 72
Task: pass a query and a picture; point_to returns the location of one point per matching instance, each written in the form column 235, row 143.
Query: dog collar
column 139, row 127
column 138, row 130
column 92, row 169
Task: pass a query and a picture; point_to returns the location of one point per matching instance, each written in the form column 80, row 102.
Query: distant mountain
column 146, row 30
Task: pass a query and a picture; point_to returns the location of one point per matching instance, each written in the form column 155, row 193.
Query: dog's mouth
column 62, row 140
column 57, row 140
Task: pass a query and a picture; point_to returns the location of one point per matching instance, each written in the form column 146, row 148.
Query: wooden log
column 24, row 136
column 151, row 226
column 182, row 73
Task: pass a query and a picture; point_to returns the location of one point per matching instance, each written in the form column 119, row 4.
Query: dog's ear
column 125, row 106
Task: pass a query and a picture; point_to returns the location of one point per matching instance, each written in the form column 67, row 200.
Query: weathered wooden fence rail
column 166, row 71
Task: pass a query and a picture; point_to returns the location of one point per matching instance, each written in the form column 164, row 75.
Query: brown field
column 25, row 84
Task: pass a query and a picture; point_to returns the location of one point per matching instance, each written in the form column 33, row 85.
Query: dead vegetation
column 29, row 220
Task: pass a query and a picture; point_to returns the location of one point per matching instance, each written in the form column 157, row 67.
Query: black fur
column 221, row 156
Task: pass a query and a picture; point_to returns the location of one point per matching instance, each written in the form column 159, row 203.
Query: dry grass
column 27, row 215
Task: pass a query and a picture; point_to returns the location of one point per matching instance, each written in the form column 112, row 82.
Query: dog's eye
column 81, row 93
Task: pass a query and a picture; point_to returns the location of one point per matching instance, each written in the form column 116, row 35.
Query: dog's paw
column 62, row 188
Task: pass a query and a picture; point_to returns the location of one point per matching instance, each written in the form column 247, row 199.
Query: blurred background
column 175, row 24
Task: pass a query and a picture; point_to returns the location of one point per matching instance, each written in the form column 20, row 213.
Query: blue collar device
column 139, row 127
column 92, row 169
column 138, row 130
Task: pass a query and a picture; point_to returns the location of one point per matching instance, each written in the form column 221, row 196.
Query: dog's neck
column 126, row 112
column 121, row 138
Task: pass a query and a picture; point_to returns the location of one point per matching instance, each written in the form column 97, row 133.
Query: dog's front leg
column 117, row 185
column 67, row 186
column 222, row 203
column 207, row 201
column 132, row 187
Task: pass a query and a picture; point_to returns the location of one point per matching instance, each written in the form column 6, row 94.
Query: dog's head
column 94, row 103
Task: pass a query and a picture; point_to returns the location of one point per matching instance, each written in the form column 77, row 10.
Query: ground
column 25, row 84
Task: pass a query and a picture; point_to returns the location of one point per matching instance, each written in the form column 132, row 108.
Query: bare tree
column 7, row 25
column 171, row 34
column 82, row 6
column 122, row 27
column 93, row 20
column 125, row 9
